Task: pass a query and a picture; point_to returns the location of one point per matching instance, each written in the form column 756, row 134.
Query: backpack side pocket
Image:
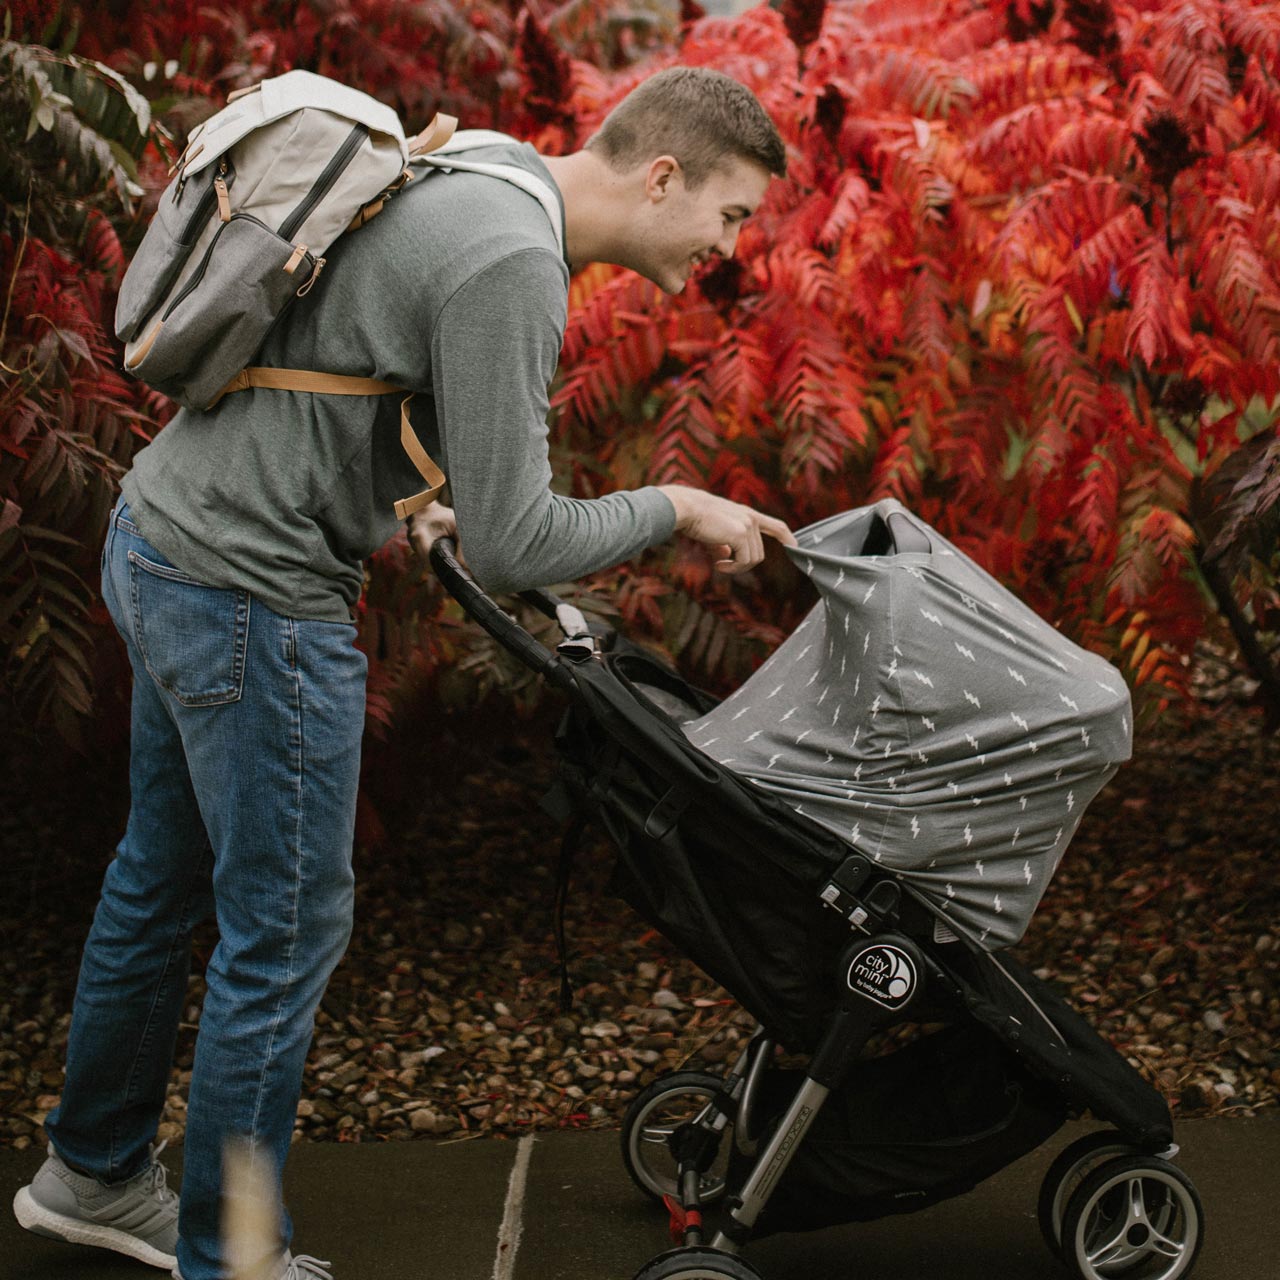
column 252, row 273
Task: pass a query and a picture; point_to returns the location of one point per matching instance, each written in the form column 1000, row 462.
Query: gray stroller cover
column 929, row 718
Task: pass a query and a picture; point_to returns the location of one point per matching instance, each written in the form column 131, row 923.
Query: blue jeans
column 244, row 763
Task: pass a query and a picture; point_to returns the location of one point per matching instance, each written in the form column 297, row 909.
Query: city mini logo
column 884, row 973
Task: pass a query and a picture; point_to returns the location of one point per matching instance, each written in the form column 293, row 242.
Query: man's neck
column 594, row 204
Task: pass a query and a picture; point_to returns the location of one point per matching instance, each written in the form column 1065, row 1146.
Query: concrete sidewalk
column 560, row 1207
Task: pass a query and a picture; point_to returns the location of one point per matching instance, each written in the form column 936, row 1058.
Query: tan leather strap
column 338, row 384
column 436, row 134
column 333, row 384
column 427, row 469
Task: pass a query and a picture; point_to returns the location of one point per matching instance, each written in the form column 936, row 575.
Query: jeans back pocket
column 192, row 636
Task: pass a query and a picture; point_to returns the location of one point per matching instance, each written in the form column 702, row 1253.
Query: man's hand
column 432, row 522
column 737, row 532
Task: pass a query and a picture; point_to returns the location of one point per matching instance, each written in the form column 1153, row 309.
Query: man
column 231, row 567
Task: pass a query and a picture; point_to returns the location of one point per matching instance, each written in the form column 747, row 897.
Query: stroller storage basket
column 906, row 1130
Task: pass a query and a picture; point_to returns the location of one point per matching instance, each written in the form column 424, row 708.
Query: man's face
column 685, row 228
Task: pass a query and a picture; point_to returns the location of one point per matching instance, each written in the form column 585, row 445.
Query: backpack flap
column 282, row 96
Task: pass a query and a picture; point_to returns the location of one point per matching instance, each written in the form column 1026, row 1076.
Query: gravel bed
column 443, row 1021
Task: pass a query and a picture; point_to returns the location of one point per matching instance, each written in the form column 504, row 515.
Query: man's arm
column 494, row 353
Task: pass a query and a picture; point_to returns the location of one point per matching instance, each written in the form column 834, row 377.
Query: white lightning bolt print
column 875, row 707
column 822, row 697
column 968, row 835
column 1070, row 702
column 971, row 740
column 835, row 719
column 866, row 643
column 810, row 680
column 751, row 737
column 951, row 891
column 893, row 669
column 870, row 592
column 773, row 759
column 915, row 828
column 999, row 906
column 979, row 867
column 803, row 736
column 924, row 679
column 1084, row 735
column 742, row 713
column 964, row 650
column 856, row 832
column 1008, row 781
column 972, row 697
column 1014, row 843
column 969, row 603
column 777, row 691
column 1020, row 722
column 930, row 617
column 928, row 724
column 1026, row 871
column 839, row 577
column 1018, row 676
column 1071, row 801
column 789, row 714
column 1022, row 803
column 803, row 652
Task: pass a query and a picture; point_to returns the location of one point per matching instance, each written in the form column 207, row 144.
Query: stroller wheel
column 1135, row 1216
column 1067, row 1172
column 699, row 1263
column 653, row 1116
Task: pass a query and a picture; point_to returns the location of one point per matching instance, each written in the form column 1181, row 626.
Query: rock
column 423, row 1121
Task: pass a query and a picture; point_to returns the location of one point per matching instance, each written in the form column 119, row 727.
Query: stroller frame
column 1111, row 1204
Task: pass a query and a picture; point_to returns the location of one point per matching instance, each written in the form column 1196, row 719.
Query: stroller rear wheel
column 1067, row 1172
column 653, row 1116
column 698, row 1263
column 1136, row 1216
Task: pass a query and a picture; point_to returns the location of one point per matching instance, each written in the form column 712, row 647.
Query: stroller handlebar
column 496, row 621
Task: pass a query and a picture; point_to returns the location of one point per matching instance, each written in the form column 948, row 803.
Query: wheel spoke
column 656, row 1133
column 1115, row 1249
column 1166, row 1247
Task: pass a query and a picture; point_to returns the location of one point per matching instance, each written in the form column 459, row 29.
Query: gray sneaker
column 138, row 1218
column 303, row 1267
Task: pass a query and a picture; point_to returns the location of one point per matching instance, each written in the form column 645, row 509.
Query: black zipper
column 208, row 201
column 198, row 274
column 332, row 172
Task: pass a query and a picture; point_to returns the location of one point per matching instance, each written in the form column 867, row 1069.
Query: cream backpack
column 262, row 190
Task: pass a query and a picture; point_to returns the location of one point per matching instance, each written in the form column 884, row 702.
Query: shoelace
column 156, row 1178
column 304, row 1265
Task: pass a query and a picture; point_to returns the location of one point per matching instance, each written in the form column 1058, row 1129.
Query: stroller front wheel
column 656, row 1112
column 1137, row 1217
column 698, row 1263
column 1067, row 1172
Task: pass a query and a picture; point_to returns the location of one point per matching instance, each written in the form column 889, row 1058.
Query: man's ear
column 661, row 176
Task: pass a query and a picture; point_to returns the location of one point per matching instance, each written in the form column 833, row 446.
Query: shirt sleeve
column 494, row 350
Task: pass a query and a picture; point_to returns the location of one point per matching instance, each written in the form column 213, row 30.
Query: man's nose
column 727, row 242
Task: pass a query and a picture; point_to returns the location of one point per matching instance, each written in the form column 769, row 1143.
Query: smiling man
column 233, row 563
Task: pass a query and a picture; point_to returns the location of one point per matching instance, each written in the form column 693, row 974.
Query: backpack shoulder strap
column 446, row 157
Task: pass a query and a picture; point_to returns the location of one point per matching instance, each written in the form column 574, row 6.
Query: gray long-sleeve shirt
column 457, row 291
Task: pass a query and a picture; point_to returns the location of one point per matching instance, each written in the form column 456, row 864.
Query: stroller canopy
column 929, row 718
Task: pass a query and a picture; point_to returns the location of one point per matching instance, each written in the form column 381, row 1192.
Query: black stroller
column 827, row 948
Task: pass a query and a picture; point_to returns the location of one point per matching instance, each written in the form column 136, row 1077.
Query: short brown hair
column 701, row 117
